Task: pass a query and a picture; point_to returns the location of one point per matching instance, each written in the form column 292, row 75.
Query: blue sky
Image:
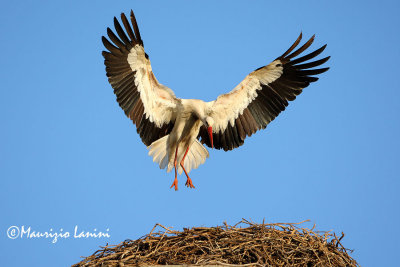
column 69, row 157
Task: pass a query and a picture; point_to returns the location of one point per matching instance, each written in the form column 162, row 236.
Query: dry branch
column 277, row 244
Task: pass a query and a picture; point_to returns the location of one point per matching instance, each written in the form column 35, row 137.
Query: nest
column 246, row 244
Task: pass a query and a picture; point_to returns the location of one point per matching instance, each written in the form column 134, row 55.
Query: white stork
column 171, row 127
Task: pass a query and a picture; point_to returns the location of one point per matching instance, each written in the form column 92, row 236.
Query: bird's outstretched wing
column 148, row 103
column 261, row 96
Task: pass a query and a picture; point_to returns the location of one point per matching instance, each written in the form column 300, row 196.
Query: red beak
column 211, row 136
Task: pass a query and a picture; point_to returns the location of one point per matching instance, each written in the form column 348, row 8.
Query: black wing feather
column 272, row 98
column 122, row 78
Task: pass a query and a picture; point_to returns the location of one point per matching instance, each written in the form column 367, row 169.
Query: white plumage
column 174, row 129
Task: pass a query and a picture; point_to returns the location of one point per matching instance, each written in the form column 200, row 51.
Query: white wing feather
column 229, row 106
column 159, row 101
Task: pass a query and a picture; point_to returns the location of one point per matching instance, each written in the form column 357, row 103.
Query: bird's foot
column 175, row 183
column 189, row 183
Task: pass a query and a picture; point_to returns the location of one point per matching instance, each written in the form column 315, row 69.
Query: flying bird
column 175, row 130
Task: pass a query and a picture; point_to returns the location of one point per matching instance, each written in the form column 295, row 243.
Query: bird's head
column 208, row 123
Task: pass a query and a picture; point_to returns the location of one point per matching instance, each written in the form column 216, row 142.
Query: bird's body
column 174, row 129
column 186, row 127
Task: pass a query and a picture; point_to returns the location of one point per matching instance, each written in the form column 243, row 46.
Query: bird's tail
column 196, row 155
column 158, row 150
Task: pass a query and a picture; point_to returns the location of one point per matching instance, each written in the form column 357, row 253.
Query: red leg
column 184, row 156
column 189, row 182
column 175, row 183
